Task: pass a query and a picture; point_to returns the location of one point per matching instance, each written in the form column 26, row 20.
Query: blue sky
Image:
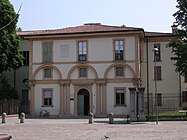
column 152, row 15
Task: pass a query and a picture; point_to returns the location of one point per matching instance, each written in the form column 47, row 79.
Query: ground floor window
column 159, row 99
column 47, row 97
column 119, row 96
column 184, row 96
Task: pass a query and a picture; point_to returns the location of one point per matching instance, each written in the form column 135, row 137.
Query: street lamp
column 155, row 50
column 137, row 82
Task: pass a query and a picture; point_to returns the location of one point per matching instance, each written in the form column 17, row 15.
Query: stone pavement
column 79, row 129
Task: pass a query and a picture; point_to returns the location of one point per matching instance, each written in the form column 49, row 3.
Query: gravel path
column 79, row 129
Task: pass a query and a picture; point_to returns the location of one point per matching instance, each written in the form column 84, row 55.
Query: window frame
column 123, row 71
column 26, row 58
column 119, row 49
column 159, row 99
column 157, row 74
column 84, row 53
column 185, row 78
column 184, row 96
column 115, row 96
column 43, row 55
column 44, row 74
column 43, row 99
column 86, row 70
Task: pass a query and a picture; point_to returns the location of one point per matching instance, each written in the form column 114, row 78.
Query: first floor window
column 119, row 71
column 47, row 47
column 47, row 73
column 185, row 78
column 184, row 96
column 157, row 73
column 26, row 58
column 159, row 99
column 120, row 96
column 82, row 51
column 119, row 48
column 47, row 95
column 82, row 72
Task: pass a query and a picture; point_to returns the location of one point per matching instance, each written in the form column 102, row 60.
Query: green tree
column 179, row 43
column 6, row 90
column 10, row 56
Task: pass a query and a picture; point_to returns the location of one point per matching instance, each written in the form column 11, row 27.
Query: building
column 95, row 68
column 17, row 77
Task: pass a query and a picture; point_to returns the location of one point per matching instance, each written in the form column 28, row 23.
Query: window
column 82, row 51
column 47, row 51
column 184, row 96
column 120, row 96
column 26, row 58
column 118, row 45
column 83, row 72
column 47, row 97
column 119, row 71
column 185, row 78
column 159, row 99
column 157, row 56
column 157, row 73
column 47, row 73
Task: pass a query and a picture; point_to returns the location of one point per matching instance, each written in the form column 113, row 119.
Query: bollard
column 4, row 117
column 128, row 119
column 22, row 117
column 111, row 118
column 91, row 118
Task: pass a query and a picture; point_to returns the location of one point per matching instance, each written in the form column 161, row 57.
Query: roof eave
column 80, row 33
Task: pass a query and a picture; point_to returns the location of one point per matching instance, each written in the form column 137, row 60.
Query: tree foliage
column 179, row 44
column 10, row 56
column 6, row 91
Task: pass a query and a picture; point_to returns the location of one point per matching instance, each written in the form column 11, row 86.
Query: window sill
column 47, row 78
column 120, row 77
column 157, row 61
column 119, row 60
column 120, row 105
column 158, row 80
column 47, row 105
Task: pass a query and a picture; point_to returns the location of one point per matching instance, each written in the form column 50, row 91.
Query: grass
column 170, row 116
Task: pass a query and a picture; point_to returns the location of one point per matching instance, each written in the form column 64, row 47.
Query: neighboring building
column 92, row 68
column 17, row 77
column 159, row 66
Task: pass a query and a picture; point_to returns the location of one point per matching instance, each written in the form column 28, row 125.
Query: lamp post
column 137, row 82
column 155, row 50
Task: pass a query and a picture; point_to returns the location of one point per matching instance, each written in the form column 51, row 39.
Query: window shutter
column 47, row 51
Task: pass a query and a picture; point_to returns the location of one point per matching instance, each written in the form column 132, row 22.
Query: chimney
column 174, row 28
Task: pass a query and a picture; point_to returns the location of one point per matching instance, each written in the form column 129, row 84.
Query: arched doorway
column 83, row 102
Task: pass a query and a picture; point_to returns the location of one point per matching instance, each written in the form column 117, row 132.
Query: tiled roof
column 157, row 34
column 86, row 28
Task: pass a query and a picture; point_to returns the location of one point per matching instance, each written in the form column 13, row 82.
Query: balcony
column 82, row 57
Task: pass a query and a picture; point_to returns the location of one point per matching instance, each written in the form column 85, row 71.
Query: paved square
column 79, row 129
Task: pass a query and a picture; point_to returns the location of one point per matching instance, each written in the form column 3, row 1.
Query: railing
column 167, row 102
column 82, row 57
column 118, row 56
column 9, row 107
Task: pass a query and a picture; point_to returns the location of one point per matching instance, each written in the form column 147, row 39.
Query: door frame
column 77, row 89
column 85, row 95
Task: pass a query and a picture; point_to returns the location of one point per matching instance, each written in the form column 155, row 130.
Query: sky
column 152, row 15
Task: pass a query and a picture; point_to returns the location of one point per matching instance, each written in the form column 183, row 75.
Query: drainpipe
column 147, row 56
column 180, row 92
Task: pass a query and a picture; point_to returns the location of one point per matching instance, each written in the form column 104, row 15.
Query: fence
column 9, row 106
column 167, row 102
